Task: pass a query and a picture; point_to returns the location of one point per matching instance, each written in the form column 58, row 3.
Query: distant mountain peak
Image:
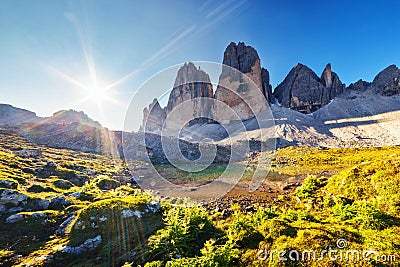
column 303, row 91
column 10, row 115
column 72, row 116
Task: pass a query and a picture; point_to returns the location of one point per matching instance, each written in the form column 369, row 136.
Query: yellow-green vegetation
column 64, row 208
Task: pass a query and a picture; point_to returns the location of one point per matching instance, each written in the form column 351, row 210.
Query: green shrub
column 243, row 233
column 185, row 232
column 309, row 187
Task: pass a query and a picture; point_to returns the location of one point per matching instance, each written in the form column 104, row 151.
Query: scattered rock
column 64, row 226
column 88, row 245
column 127, row 213
column 11, row 196
column 20, row 217
column 154, row 206
column 76, row 194
column 15, row 218
column 40, row 203
column 29, row 153
column 8, row 184
column 59, row 203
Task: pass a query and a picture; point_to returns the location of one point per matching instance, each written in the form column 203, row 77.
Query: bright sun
column 98, row 94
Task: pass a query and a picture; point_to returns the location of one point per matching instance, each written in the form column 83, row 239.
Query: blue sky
column 55, row 54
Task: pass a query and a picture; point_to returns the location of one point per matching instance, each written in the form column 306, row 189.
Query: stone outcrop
column 359, row 86
column 240, row 85
column 187, row 99
column 89, row 245
column 153, row 117
column 303, row 91
column 387, row 82
column 331, row 81
column 266, row 85
column 191, row 86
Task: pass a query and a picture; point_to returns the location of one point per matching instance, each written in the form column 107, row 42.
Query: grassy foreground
column 350, row 195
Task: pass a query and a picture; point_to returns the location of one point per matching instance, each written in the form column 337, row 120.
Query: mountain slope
column 10, row 115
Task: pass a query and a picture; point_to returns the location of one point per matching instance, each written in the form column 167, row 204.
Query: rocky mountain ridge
column 302, row 90
column 362, row 114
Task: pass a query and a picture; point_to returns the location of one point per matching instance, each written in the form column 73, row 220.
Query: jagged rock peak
column 359, row 86
column 241, row 85
column 191, row 85
column 331, row 80
column 326, row 77
column 189, row 73
column 191, row 82
column 304, row 91
column 387, row 82
column 241, row 57
column 153, row 117
column 266, row 85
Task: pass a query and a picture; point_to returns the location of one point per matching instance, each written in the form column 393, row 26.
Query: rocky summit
column 191, row 86
column 153, row 117
column 303, row 91
column 240, row 86
column 387, row 82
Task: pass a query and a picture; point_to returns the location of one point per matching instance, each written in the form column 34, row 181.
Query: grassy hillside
column 63, row 208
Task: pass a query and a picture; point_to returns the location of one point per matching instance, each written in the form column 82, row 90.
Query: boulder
column 13, row 197
column 29, row 153
column 40, row 204
column 64, row 226
column 15, row 218
column 89, row 245
column 2, row 209
column 24, row 216
column 127, row 213
column 59, row 203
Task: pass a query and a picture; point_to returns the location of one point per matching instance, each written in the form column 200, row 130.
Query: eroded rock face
column 191, row 85
column 153, row 117
column 387, row 82
column 266, row 85
column 303, row 91
column 331, row 81
column 241, row 90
